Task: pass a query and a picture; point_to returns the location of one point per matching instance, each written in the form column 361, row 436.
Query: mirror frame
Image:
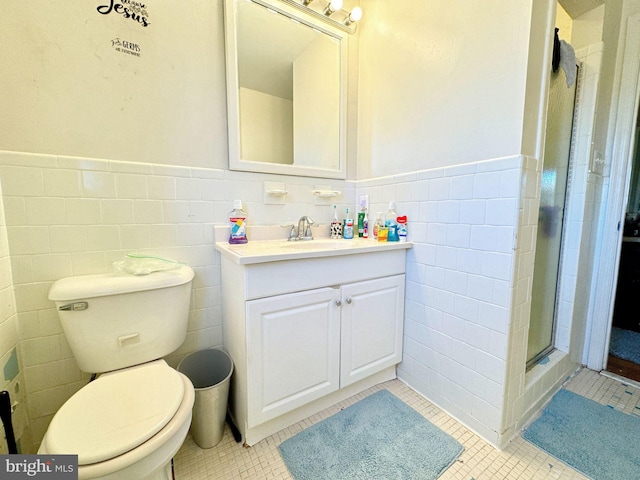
column 233, row 106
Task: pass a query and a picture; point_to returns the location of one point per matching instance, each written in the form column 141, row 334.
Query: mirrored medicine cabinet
column 286, row 90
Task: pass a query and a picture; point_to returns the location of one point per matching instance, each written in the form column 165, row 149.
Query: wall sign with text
column 135, row 11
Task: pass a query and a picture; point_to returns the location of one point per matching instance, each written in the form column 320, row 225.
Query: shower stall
column 555, row 183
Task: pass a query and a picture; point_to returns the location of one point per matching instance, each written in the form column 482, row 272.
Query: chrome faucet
column 304, row 228
column 303, row 232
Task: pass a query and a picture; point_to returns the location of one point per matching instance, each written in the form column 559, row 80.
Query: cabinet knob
column 338, row 303
column 349, row 301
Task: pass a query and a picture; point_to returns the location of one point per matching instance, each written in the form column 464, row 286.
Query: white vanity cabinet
column 305, row 345
column 293, row 351
column 307, row 333
column 371, row 327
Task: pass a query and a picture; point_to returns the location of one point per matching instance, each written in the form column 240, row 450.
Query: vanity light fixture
column 332, row 7
column 326, row 14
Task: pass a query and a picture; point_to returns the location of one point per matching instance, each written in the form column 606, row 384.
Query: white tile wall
column 468, row 291
column 462, row 222
column 10, row 342
column 468, row 273
column 74, row 216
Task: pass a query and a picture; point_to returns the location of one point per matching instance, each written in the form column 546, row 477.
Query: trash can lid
column 116, row 413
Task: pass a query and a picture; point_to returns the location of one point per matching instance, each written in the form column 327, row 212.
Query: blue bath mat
column 625, row 344
column 380, row 437
column 600, row 442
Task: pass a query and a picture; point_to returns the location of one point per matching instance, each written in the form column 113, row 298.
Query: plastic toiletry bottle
column 361, row 215
column 391, row 223
column 377, row 224
column 238, row 224
column 347, row 229
column 336, row 225
column 402, row 228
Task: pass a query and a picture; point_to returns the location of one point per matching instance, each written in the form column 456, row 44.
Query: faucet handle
column 292, row 233
column 307, row 232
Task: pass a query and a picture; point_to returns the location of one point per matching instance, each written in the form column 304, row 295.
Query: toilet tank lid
column 101, row 285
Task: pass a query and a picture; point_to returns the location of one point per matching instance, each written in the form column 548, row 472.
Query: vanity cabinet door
column 293, row 346
column 372, row 326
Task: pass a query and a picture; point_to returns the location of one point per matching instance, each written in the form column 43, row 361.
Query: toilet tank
column 114, row 321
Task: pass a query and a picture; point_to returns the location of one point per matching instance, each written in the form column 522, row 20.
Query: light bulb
column 355, row 15
column 332, row 7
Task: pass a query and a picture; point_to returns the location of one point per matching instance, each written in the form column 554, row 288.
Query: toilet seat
column 116, row 413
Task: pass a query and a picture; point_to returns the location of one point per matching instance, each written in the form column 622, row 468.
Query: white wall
column 587, row 29
column 467, row 324
column 444, row 89
column 70, row 92
column 450, row 76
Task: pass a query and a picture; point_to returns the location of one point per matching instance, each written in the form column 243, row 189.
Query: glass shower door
column 551, row 215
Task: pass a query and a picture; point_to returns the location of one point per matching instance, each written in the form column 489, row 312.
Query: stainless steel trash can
column 210, row 372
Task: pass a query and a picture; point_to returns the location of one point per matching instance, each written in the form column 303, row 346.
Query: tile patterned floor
column 480, row 461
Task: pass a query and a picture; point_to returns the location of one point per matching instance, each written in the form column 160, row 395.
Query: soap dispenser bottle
column 391, row 223
column 376, row 226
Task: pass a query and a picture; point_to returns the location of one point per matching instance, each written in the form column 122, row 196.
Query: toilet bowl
column 126, row 424
column 131, row 420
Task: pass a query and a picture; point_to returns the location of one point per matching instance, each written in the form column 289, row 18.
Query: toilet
column 131, row 420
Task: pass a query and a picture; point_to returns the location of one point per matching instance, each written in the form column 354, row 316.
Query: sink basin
column 262, row 251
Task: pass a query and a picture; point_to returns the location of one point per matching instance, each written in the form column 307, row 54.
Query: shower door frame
column 606, row 266
column 562, row 230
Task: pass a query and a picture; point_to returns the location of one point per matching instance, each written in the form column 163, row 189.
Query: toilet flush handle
column 74, row 307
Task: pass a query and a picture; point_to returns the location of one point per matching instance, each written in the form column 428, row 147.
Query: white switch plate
column 366, row 202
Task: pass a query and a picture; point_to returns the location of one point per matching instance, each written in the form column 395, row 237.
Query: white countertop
column 262, row 251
